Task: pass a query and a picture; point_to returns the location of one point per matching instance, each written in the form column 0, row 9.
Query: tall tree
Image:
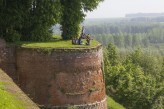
column 10, row 19
column 73, row 15
column 29, row 19
column 112, row 54
column 40, row 17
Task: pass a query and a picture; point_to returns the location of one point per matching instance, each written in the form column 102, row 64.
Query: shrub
column 12, row 36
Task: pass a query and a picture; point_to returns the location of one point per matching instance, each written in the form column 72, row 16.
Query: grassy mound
column 8, row 100
column 57, row 42
column 113, row 105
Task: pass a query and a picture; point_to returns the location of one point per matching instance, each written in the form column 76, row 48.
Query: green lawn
column 8, row 100
column 113, row 105
column 57, row 43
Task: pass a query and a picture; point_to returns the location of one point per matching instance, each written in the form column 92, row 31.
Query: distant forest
column 129, row 33
column 145, row 15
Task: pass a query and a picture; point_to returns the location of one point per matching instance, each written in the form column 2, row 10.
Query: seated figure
column 74, row 40
column 82, row 36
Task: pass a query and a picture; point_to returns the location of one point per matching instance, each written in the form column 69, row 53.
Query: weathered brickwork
column 58, row 77
column 8, row 59
column 97, row 105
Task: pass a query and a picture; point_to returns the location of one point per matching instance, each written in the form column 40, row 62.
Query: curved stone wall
column 62, row 77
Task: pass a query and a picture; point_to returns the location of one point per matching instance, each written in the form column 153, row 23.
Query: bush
column 12, row 36
column 136, row 82
column 159, row 103
column 41, row 34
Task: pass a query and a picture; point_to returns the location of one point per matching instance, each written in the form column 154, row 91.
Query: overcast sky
column 118, row 8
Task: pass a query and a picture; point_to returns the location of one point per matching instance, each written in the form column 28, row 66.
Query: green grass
column 113, row 105
column 57, row 42
column 8, row 100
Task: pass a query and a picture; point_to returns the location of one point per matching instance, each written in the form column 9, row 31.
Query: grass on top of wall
column 8, row 100
column 57, row 42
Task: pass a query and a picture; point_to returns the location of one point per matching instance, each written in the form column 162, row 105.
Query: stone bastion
column 58, row 78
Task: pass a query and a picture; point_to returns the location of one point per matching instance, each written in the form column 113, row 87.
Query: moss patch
column 93, row 89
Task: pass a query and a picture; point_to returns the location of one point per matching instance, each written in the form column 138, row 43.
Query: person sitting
column 82, row 36
column 74, row 40
column 88, row 39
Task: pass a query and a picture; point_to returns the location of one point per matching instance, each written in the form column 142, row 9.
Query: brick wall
column 8, row 59
column 58, row 77
column 61, row 77
column 97, row 105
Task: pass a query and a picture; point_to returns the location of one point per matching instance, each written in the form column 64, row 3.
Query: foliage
column 159, row 102
column 40, row 34
column 71, row 18
column 73, row 15
column 31, row 20
column 12, row 36
column 137, row 81
column 42, row 15
column 28, row 20
column 10, row 19
column 112, row 55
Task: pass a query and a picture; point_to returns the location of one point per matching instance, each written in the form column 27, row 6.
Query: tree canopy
column 73, row 14
column 31, row 20
column 136, row 81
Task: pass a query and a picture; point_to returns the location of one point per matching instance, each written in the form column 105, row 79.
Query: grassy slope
column 11, row 97
column 8, row 100
column 57, row 42
column 113, row 105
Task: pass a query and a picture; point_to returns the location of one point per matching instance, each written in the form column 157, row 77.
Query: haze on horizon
column 119, row 8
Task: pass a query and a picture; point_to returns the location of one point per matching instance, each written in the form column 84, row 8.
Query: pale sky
column 118, row 8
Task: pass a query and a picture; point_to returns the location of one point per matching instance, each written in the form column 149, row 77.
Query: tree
column 29, row 19
column 40, row 16
column 136, row 81
column 128, row 40
column 73, row 15
column 10, row 19
column 112, row 55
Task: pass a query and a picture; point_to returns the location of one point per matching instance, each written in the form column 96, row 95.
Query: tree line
column 127, row 34
column 31, row 20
